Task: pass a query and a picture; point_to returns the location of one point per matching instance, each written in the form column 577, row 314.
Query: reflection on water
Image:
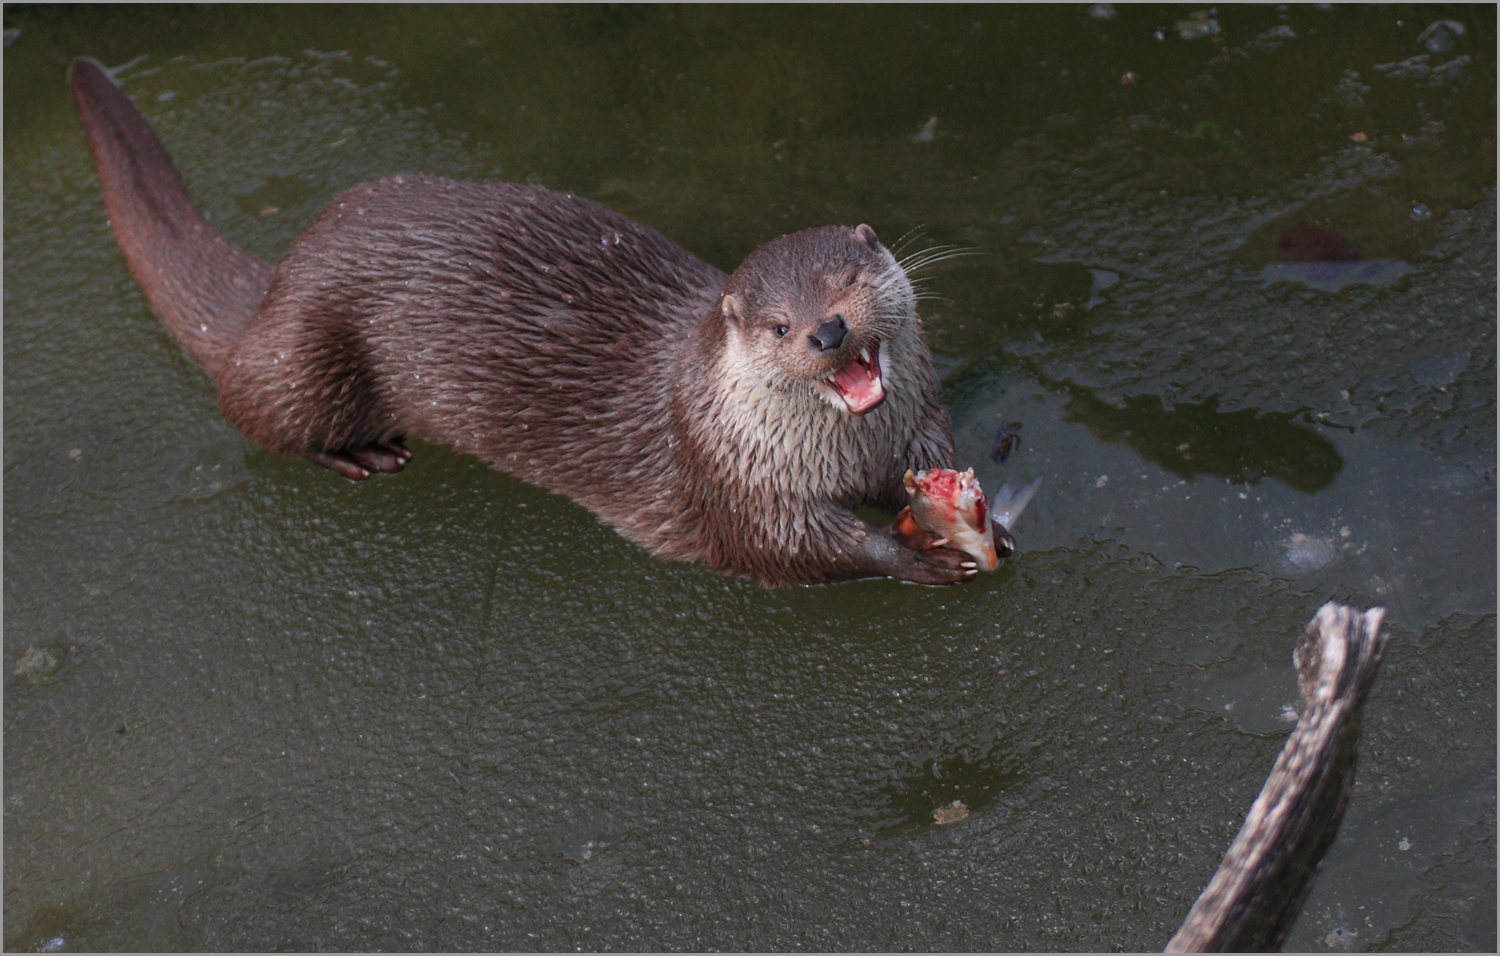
column 1305, row 242
column 1335, row 276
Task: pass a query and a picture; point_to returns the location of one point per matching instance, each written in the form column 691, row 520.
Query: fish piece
column 951, row 505
column 1010, row 502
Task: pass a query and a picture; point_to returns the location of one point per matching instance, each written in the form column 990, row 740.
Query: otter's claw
column 341, row 463
column 388, row 457
column 942, row 566
column 357, row 463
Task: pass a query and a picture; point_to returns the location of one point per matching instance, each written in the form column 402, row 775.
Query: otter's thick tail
column 203, row 287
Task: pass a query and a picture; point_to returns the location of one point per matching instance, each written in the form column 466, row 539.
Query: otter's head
column 822, row 310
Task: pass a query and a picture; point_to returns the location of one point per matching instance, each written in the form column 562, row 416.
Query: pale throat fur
column 779, row 433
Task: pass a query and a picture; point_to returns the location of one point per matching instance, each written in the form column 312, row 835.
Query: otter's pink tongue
column 859, row 385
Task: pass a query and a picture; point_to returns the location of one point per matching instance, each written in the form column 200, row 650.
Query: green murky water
column 268, row 708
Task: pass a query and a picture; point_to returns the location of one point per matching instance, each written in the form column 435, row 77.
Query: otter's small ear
column 866, row 235
column 731, row 307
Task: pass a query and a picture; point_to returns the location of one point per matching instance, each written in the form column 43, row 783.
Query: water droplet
column 1420, row 212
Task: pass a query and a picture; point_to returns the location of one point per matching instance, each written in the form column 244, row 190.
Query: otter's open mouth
column 856, row 385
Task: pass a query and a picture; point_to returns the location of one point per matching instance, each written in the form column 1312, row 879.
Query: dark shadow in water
column 973, row 783
column 1191, row 439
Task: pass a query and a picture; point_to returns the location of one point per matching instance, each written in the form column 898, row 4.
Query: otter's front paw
column 939, row 566
column 901, row 550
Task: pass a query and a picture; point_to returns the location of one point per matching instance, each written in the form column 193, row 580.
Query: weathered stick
column 1254, row 898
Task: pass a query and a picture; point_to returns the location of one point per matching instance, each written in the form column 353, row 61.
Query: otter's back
column 532, row 328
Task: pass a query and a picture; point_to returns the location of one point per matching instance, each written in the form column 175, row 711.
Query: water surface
column 447, row 710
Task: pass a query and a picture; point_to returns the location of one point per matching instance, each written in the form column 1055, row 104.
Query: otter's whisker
column 931, row 257
column 929, row 250
column 910, row 235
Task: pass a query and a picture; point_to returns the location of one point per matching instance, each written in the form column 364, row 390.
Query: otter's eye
column 781, row 330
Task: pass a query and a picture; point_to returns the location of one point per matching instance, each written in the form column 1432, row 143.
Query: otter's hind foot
column 357, row 463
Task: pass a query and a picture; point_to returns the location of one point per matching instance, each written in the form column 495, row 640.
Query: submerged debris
column 1007, row 440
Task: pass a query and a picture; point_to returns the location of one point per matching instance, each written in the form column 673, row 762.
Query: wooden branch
column 1255, row 896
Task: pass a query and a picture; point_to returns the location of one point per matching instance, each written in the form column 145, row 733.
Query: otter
column 736, row 420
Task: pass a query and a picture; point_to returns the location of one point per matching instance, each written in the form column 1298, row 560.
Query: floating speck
column 1306, row 553
column 1102, row 11
column 1340, row 938
column 37, row 665
column 1420, row 212
column 1197, row 26
column 952, row 813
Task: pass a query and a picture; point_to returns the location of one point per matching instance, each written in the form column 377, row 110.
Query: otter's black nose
column 830, row 334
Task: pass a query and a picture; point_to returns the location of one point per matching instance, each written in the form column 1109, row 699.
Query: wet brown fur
column 559, row 342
